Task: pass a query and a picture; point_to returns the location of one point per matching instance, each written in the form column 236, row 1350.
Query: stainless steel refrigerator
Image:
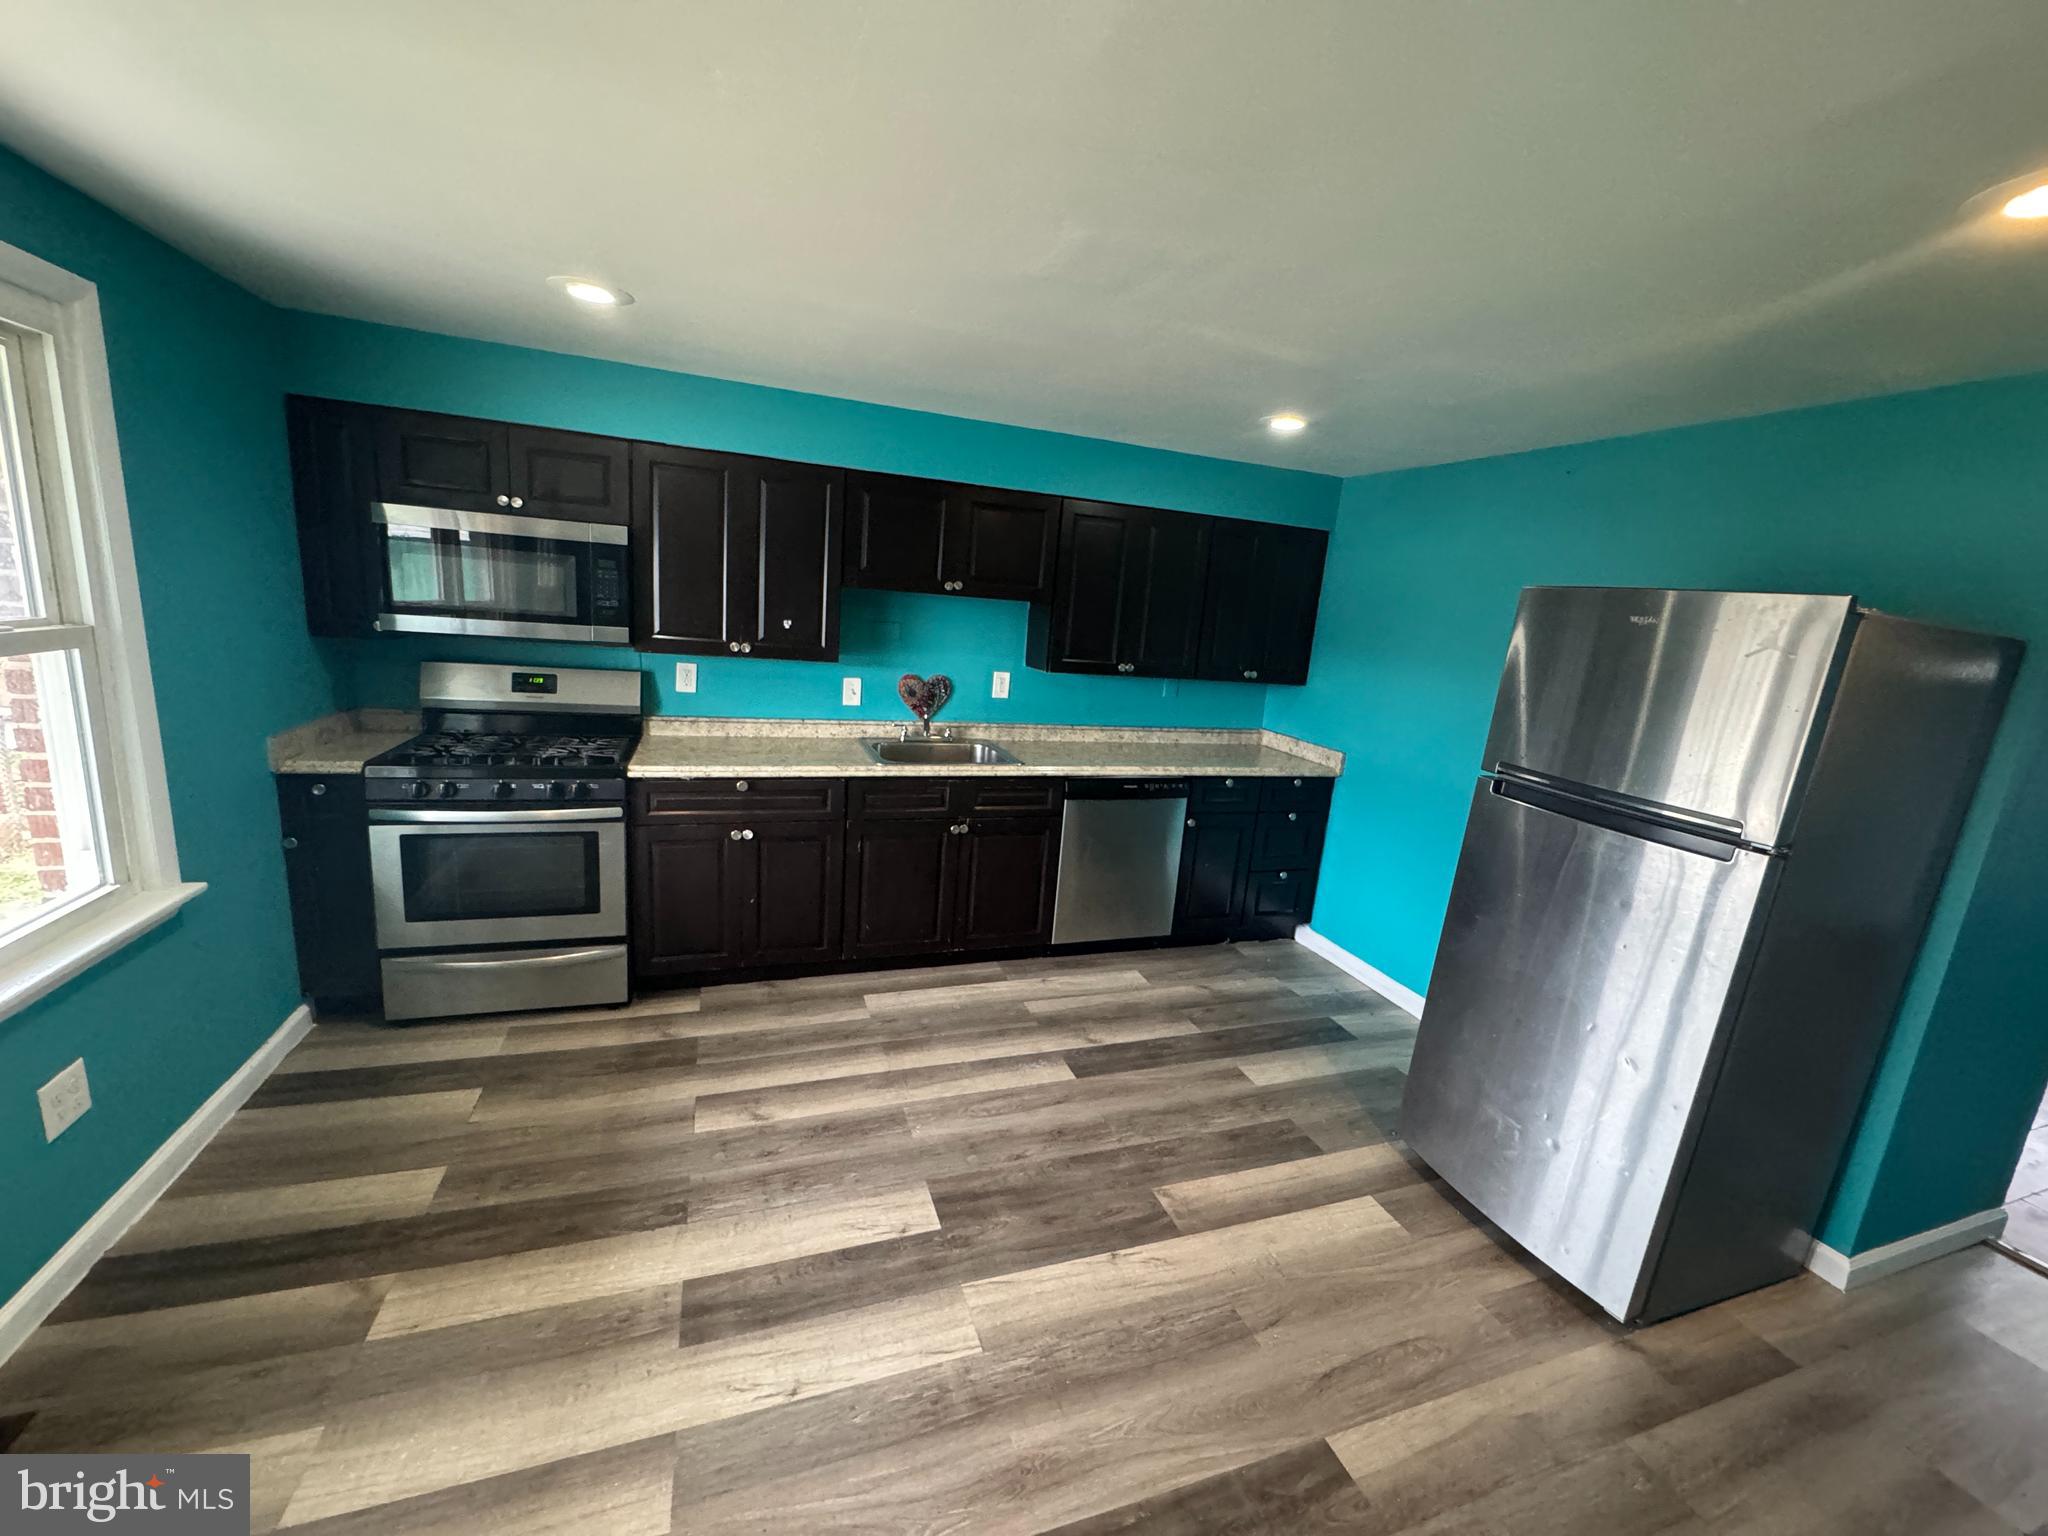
column 1706, row 837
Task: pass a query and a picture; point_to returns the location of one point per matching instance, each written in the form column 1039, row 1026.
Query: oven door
column 459, row 877
column 495, row 573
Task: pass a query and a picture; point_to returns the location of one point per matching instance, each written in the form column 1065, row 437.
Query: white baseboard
column 1847, row 1271
column 1407, row 999
column 27, row 1307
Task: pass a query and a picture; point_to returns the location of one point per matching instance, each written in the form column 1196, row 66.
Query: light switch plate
column 849, row 691
column 686, row 677
column 64, row 1098
column 999, row 686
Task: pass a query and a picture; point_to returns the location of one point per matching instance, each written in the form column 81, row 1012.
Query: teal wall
column 164, row 1022
column 1929, row 505
column 884, row 634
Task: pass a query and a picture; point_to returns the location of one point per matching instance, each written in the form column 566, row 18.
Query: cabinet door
column 684, row 507
column 572, row 475
column 689, row 898
column 1162, row 609
column 895, row 529
column 425, row 460
column 1215, row 859
column 1007, row 870
column 900, row 886
column 1287, row 839
column 1083, row 631
column 334, row 481
column 1290, row 574
column 1264, row 583
column 1000, row 543
column 1276, row 903
column 785, row 577
column 794, row 896
column 327, row 876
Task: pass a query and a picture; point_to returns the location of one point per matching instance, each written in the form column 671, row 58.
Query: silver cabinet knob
column 290, row 843
column 1283, row 873
column 518, row 501
column 734, row 834
column 732, row 645
column 1297, row 783
column 741, row 786
column 745, row 646
column 1253, row 674
column 1191, row 821
column 748, row 834
column 319, row 789
column 504, row 501
column 789, row 623
column 1230, row 783
column 1292, row 816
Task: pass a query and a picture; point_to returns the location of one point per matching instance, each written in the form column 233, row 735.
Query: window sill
column 44, row 962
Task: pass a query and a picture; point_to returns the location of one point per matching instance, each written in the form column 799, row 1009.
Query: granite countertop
column 832, row 749
column 702, row 748
column 341, row 743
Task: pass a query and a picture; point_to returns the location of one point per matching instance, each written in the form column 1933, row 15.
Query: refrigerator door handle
column 1688, row 833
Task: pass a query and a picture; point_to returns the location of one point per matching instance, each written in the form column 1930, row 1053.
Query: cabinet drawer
column 324, row 795
column 1287, row 839
column 1234, row 794
column 662, row 799
column 902, row 797
column 1292, row 793
column 997, row 796
column 1276, row 902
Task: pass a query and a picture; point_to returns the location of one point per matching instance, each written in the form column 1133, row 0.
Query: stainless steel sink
column 968, row 754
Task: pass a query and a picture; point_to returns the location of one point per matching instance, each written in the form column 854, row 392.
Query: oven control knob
column 450, row 790
column 419, row 789
column 558, row 789
column 502, row 789
column 581, row 790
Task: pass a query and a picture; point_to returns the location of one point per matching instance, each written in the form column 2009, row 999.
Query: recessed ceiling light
column 597, row 295
column 2028, row 205
column 1286, row 423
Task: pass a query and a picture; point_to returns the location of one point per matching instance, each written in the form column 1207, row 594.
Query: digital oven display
column 533, row 682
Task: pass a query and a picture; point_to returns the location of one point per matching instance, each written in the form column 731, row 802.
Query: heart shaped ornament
column 925, row 696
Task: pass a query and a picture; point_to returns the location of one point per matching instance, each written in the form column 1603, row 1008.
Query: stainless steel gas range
column 498, row 842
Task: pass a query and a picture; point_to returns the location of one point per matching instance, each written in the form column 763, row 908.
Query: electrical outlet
column 686, row 677
column 64, row 1098
column 999, row 686
column 849, row 691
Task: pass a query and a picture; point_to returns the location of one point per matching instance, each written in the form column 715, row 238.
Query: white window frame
column 83, row 520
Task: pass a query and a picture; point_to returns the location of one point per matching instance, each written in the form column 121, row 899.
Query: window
column 86, row 856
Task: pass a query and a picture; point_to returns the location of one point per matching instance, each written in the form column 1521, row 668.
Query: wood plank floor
column 1117, row 1243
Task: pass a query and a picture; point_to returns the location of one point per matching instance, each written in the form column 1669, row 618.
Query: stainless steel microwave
column 498, row 573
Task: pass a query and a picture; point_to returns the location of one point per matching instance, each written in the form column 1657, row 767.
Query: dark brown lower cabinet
column 1007, row 866
column 1276, row 902
column 715, row 895
column 900, row 884
column 1215, row 860
column 327, row 876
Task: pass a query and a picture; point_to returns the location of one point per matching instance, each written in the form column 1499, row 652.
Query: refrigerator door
column 1710, row 701
column 1574, row 1012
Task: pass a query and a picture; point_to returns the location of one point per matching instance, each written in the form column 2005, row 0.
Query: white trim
column 48, row 1287
column 1847, row 1271
column 1407, row 999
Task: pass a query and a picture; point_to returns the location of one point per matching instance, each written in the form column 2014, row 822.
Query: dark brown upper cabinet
column 334, row 480
column 1260, row 615
column 734, row 555
column 455, row 463
column 1127, row 593
column 909, row 535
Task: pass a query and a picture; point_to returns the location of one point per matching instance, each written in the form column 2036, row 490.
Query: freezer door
column 1709, row 701
column 1579, row 993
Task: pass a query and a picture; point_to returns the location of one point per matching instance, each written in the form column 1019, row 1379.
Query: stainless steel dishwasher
column 1119, row 859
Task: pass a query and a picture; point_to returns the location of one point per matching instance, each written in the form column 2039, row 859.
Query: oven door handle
column 494, row 818
column 553, row 957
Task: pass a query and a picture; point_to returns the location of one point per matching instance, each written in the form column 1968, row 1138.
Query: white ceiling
column 1439, row 228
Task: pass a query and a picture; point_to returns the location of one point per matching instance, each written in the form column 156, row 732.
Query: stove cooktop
column 466, row 753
